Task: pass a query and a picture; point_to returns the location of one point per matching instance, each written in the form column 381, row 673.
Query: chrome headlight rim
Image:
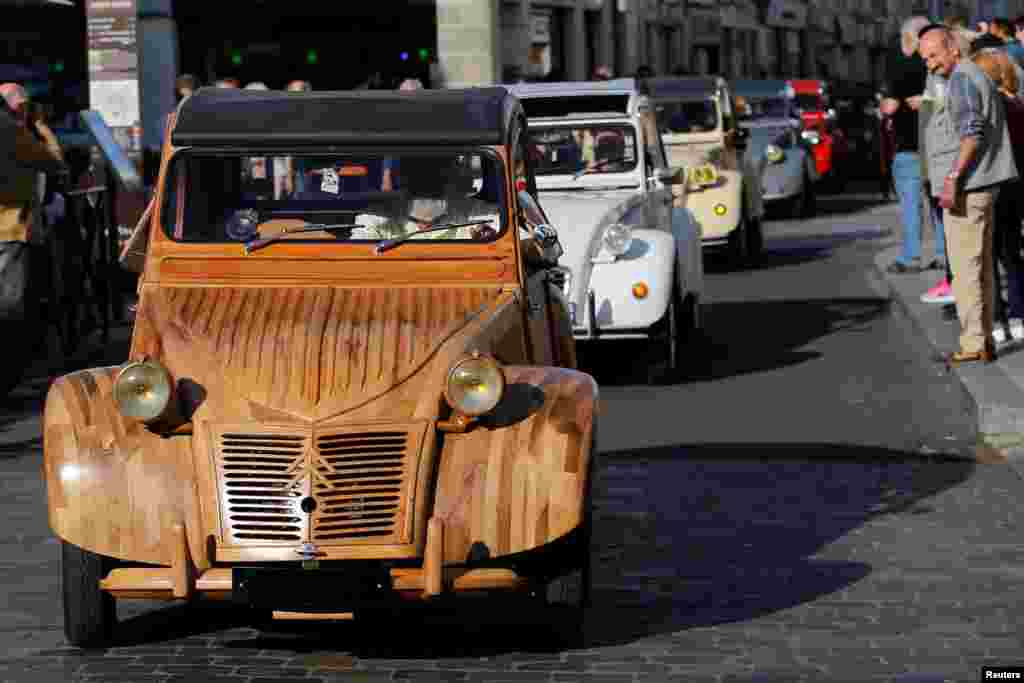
column 498, row 374
column 625, row 240
column 774, row 154
column 163, row 385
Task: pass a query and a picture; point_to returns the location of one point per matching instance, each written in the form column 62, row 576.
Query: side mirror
column 740, row 136
column 673, row 175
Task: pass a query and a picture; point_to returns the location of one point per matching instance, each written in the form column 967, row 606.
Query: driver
column 438, row 191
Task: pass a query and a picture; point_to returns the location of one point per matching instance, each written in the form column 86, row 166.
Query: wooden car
column 350, row 384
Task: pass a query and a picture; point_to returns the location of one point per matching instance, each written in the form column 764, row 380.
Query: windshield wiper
column 596, row 165
column 385, row 245
column 253, row 245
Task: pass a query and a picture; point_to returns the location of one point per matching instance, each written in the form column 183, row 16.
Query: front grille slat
column 359, row 478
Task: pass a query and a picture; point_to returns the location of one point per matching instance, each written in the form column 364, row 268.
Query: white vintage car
column 767, row 109
column 633, row 260
column 698, row 123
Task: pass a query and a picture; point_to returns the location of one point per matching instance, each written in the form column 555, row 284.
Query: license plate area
column 329, row 589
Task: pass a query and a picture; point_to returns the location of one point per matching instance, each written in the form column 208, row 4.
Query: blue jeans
column 940, row 228
column 906, row 176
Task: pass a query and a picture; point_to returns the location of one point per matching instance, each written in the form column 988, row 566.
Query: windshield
column 225, row 197
column 809, row 102
column 591, row 148
column 697, row 116
column 768, row 108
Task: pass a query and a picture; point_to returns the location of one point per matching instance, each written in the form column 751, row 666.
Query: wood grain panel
column 114, row 487
column 513, row 489
column 182, row 270
column 309, row 353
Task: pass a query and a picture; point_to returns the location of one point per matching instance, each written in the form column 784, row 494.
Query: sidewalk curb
column 969, row 401
column 975, row 409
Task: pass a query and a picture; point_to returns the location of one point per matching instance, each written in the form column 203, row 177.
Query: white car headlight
column 811, row 136
column 774, row 154
column 143, row 390
column 475, row 385
column 617, row 238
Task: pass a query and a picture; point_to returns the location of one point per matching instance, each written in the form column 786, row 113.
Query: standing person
column 28, row 147
column 1009, row 314
column 969, row 158
column 184, row 86
column 901, row 100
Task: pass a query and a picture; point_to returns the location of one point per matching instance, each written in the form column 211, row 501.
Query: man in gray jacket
column 969, row 157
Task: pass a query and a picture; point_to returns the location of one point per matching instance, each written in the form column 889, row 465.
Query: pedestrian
column 227, row 83
column 901, row 100
column 1003, row 30
column 602, row 72
column 27, row 147
column 184, row 86
column 299, row 86
column 969, row 159
column 1009, row 314
column 643, row 71
column 1018, row 29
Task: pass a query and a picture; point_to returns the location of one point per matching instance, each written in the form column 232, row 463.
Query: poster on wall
column 113, row 60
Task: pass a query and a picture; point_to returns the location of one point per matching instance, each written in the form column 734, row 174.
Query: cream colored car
column 698, row 125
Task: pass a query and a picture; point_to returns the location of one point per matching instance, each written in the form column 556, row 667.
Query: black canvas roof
column 230, row 117
column 761, row 89
column 689, row 88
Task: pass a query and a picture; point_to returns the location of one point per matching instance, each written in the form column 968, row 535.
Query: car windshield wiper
column 253, row 245
column 385, row 245
column 596, row 165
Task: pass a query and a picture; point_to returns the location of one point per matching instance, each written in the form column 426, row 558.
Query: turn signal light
column 640, row 290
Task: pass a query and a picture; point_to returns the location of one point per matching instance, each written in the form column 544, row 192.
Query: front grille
column 260, row 475
column 336, row 486
column 359, row 481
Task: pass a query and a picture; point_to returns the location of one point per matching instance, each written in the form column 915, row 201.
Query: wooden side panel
column 511, row 489
column 114, row 487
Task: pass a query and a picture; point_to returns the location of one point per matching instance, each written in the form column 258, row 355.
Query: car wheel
column 663, row 368
column 738, row 245
column 755, row 241
column 568, row 596
column 90, row 614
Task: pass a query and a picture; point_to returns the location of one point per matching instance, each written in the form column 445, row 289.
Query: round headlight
column 720, row 209
column 475, row 385
column 618, row 238
column 774, row 154
column 143, row 390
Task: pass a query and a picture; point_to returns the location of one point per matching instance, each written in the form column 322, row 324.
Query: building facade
column 488, row 41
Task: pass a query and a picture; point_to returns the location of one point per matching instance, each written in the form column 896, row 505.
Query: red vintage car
column 831, row 148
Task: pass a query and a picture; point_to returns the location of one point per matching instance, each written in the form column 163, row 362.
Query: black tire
column 738, row 245
column 90, row 614
column 668, row 347
column 568, row 596
column 811, row 203
column 755, row 241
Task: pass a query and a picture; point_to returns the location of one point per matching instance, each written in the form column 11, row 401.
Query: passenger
column 438, row 191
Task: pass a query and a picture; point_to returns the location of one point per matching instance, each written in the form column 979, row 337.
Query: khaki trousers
column 969, row 239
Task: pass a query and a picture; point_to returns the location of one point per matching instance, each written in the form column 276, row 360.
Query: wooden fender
column 507, row 489
column 114, row 487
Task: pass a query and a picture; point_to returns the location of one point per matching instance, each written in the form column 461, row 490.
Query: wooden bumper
column 182, row 581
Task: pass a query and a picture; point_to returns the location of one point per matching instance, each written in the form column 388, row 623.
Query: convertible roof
column 761, row 90
column 230, row 117
column 573, row 98
column 692, row 88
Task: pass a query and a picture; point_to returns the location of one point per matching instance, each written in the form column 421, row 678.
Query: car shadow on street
column 727, row 348
column 685, row 537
